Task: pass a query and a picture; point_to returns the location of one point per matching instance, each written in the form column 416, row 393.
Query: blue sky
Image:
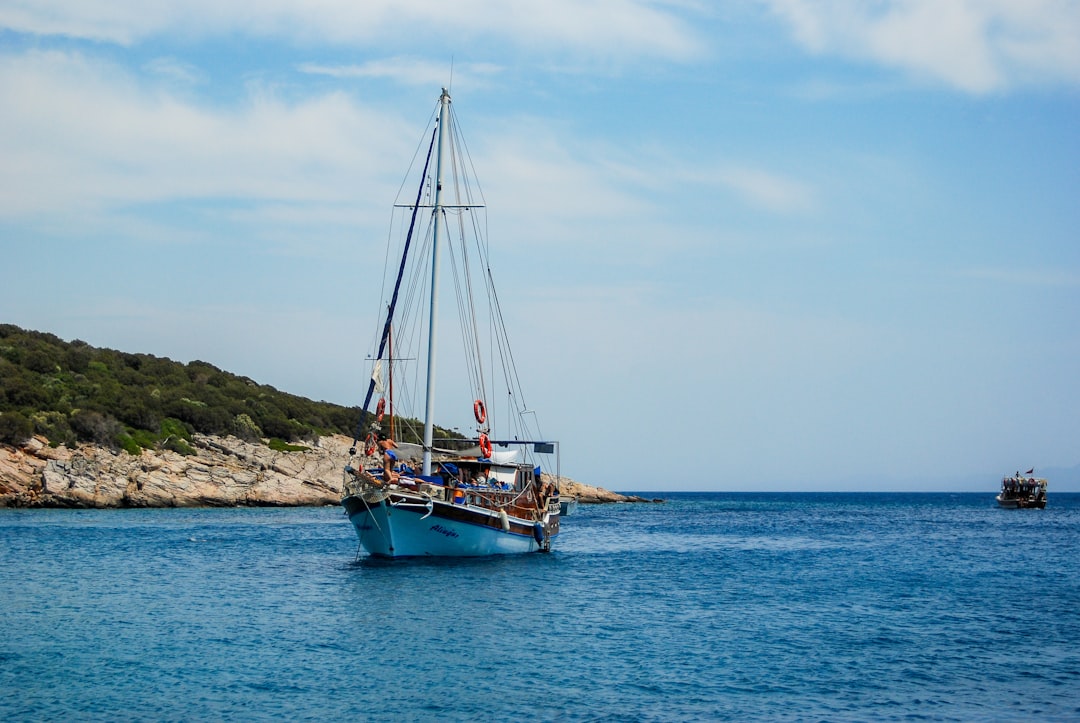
column 764, row 244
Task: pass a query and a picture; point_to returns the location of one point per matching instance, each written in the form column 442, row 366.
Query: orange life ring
column 380, row 409
column 485, row 445
column 479, row 411
column 372, row 443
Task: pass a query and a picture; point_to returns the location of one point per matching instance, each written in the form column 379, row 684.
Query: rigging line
column 462, row 162
column 473, row 341
column 394, row 208
column 416, row 154
column 467, row 332
column 511, row 502
column 499, row 334
column 500, row 331
column 414, row 297
column 460, row 173
column 372, row 516
column 470, row 309
column 492, row 330
column 505, row 334
column 483, row 254
column 472, row 178
column 463, row 284
column 394, row 298
column 481, row 248
column 470, row 168
column 410, row 327
column 420, row 272
column 410, row 305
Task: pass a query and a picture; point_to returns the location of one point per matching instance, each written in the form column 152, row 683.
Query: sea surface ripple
column 711, row 606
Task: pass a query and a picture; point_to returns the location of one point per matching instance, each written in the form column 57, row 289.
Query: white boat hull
column 1022, row 493
column 1007, row 503
column 1020, row 503
column 407, row 527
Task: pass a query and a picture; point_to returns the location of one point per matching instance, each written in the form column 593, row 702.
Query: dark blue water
column 711, row 606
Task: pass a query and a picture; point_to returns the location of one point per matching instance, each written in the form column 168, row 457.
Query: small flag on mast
column 1030, row 471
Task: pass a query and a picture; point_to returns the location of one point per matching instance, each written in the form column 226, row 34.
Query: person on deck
column 387, row 446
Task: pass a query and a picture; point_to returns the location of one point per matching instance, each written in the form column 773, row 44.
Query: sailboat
column 444, row 493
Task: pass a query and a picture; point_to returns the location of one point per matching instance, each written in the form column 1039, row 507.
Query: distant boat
column 1022, row 492
column 467, row 499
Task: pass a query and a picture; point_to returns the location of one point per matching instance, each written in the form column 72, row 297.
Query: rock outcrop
column 224, row 472
column 588, row 494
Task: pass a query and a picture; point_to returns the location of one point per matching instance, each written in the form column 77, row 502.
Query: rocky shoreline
column 223, row 472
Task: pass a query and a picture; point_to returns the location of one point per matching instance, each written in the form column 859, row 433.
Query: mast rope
column 394, row 298
column 406, row 305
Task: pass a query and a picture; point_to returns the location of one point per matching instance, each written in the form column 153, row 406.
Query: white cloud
column 408, row 71
column 87, row 143
column 83, row 133
column 768, row 190
column 99, row 20
column 978, row 46
column 755, row 186
column 174, row 70
column 610, row 28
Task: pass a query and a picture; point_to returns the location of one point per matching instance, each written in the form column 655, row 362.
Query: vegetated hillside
column 72, row 392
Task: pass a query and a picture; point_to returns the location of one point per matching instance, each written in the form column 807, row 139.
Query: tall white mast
column 429, row 405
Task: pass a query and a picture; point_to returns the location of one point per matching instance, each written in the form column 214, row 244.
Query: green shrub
column 15, row 428
column 77, row 358
column 54, row 426
column 91, row 426
column 172, row 427
column 23, row 390
column 280, row 445
column 178, row 445
column 129, row 445
column 143, row 438
column 72, row 391
column 244, row 427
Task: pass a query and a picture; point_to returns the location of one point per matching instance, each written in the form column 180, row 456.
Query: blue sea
column 818, row 607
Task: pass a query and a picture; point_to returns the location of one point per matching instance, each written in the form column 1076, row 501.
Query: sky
column 750, row 245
